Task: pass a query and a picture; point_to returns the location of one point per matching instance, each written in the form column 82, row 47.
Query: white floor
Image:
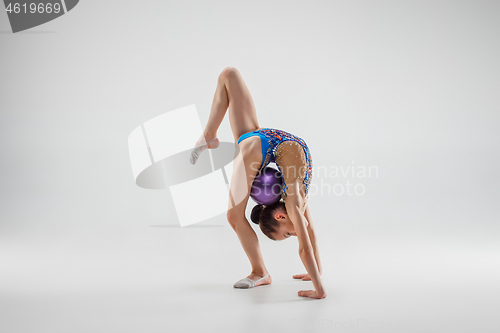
column 410, row 87
column 164, row 278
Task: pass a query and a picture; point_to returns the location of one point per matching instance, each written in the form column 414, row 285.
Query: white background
column 410, row 87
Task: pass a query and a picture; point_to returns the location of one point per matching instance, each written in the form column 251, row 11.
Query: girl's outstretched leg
column 208, row 138
column 231, row 93
column 241, row 183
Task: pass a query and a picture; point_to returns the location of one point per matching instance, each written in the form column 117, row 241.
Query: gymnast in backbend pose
column 259, row 146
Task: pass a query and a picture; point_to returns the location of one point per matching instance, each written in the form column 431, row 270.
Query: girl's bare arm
column 314, row 243
column 306, row 251
column 312, row 236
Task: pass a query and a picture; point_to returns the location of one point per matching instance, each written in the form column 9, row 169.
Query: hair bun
column 255, row 215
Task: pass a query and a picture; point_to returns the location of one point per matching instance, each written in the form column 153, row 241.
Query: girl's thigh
column 241, row 110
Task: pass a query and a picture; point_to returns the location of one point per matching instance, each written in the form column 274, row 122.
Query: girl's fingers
column 307, row 293
column 299, row 276
column 311, row 294
column 306, row 278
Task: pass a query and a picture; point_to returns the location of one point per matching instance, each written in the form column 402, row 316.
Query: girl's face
column 286, row 228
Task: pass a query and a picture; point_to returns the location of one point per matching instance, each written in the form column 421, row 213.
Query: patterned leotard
column 288, row 151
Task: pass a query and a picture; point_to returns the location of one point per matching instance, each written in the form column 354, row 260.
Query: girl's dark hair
column 264, row 216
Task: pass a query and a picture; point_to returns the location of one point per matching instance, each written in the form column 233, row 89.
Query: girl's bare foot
column 203, row 144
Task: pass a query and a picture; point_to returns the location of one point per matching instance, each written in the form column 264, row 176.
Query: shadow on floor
column 268, row 294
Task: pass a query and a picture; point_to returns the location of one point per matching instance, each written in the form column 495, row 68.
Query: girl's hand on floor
column 311, row 294
column 304, row 277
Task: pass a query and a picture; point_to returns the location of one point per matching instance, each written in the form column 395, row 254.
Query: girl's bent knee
column 231, row 218
column 228, row 73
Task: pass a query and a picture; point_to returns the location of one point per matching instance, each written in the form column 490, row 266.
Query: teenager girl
column 291, row 216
